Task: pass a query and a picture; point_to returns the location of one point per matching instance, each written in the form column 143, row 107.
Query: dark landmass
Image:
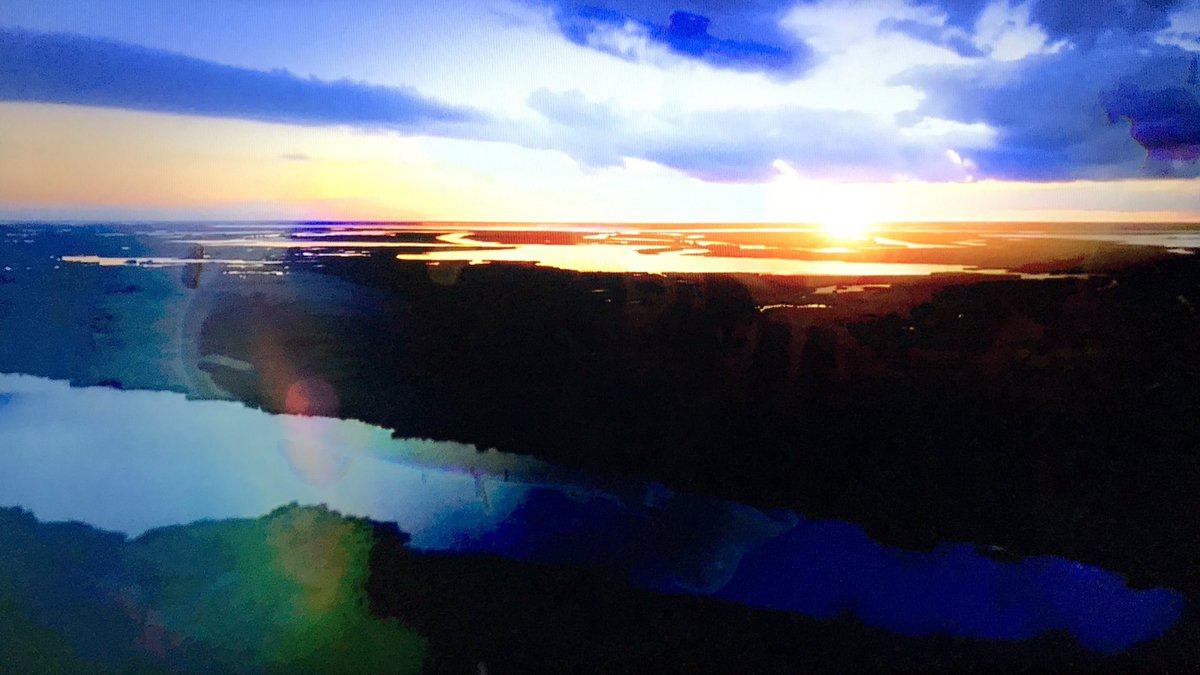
column 304, row 589
column 1055, row 416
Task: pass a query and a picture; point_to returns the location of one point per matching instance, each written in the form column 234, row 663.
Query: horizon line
column 564, row 223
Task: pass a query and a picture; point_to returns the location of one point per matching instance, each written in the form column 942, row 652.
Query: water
column 134, row 460
column 889, row 251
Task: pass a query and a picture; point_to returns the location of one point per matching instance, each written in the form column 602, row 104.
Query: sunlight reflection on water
column 887, row 251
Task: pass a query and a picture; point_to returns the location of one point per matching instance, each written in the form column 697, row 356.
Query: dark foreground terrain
column 304, row 589
column 1056, row 416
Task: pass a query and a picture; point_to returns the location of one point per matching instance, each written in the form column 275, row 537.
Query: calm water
column 134, row 460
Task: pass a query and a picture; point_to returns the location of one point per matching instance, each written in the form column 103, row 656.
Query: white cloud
column 1184, row 31
column 975, row 134
column 840, row 26
column 1005, row 31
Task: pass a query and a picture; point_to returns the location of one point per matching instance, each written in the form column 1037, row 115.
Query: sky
column 600, row 110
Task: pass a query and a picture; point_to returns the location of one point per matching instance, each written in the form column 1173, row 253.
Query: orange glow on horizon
column 95, row 162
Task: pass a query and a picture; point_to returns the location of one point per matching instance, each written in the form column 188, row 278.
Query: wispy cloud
column 78, row 70
column 741, row 145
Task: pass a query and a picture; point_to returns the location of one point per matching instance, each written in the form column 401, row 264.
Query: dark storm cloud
column 72, row 69
column 1057, row 117
column 741, row 36
column 1166, row 122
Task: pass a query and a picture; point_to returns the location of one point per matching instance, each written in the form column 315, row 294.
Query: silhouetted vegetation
column 284, row 593
column 304, row 589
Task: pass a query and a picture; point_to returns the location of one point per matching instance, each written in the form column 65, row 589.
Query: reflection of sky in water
column 159, row 459
column 133, row 460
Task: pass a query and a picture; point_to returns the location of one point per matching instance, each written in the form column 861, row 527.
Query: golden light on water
column 661, row 255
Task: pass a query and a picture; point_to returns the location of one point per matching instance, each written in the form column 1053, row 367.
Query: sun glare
column 841, row 210
column 848, row 226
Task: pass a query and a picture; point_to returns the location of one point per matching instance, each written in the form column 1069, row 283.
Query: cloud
column 573, row 108
column 1184, row 28
column 999, row 30
column 734, row 36
column 1054, row 116
column 1081, row 23
column 1166, row 122
column 72, row 69
column 744, row 145
column 959, row 13
column 949, row 37
column 1040, row 115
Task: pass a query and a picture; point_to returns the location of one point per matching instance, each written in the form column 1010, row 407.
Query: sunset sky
column 600, row 110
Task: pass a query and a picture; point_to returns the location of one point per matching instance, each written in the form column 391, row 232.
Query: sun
column 839, row 210
column 847, row 226
column 847, row 211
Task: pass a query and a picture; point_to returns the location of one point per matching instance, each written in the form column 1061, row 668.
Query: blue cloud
column 573, row 108
column 751, row 39
column 1082, row 23
column 1166, row 122
column 1054, row 113
column 959, row 13
column 72, row 69
column 937, row 35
